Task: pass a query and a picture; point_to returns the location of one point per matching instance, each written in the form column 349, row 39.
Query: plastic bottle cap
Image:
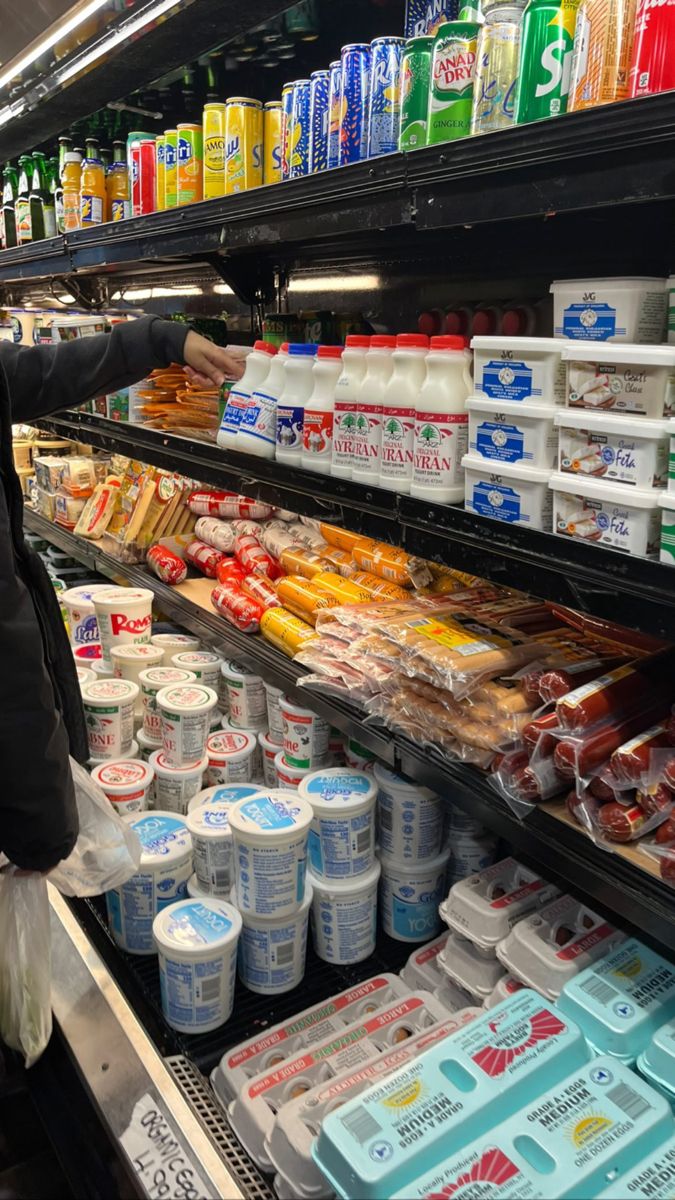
column 416, row 341
column 384, row 340
column 354, row 340
column 306, row 348
column 447, row 341
column 283, row 348
column 265, row 347
column 329, row 352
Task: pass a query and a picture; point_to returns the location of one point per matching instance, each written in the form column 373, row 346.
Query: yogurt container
column 173, row 643
column 359, row 757
column 175, row 786
column 231, row 754
column 635, row 380
column 195, row 889
column 185, row 711
column 652, row 1178
column 85, row 675
column 151, row 681
column 133, row 752
column 102, row 669
column 109, row 716
column 469, row 854
column 209, row 826
column 409, row 818
column 306, row 736
column 145, row 744
column 196, row 943
column 667, row 544
column 127, row 784
column 128, row 662
column 203, row 663
column 222, row 795
column 607, row 514
column 509, row 432
column 79, row 605
column 422, row 969
column 124, row 617
column 246, row 697
column 275, row 722
column 628, row 450
column 657, row 1061
column 517, row 494
column 486, row 906
column 270, row 832
column 272, row 951
column 287, row 776
column 166, row 866
column 459, row 823
column 268, row 751
column 474, row 970
column 344, row 916
column 410, row 894
column 610, row 310
column 342, row 837
column 519, row 370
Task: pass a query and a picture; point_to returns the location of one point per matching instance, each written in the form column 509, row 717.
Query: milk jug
column 346, row 400
column 367, row 442
column 441, row 423
column 398, row 410
column 257, row 367
column 298, row 387
column 258, row 427
column 317, row 443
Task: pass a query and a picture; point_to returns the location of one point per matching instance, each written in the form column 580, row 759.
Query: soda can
column 170, row 168
column 423, row 17
column 652, row 67
column 272, row 142
column 243, row 144
column 299, row 141
column 334, row 105
column 319, row 82
column 190, row 163
column 452, row 80
column 213, row 122
column 354, row 106
column 603, row 44
column 143, row 175
column 415, row 84
column 545, row 65
column 286, row 130
column 494, row 91
column 160, row 157
column 384, row 106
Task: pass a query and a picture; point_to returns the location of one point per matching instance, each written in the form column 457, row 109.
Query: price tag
column 158, row 1156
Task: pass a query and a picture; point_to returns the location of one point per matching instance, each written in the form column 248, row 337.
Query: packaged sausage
column 343, row 590
column 275, row 537
column 581, row 757
column 229, row 570
column 240, row 610
column 536, row 734
column 339, row 560
column 632, row 760
column 301, row 598
column 227, row 504
column 557, row 682
column 379, row 588
column 246, row 527
column 620, row 824
column 307, row 536
column 342, row 538
column 285, row 631
column 620, row 692
column 391, row 563
column 298, row 561
column 166, row 565
column 214, row 532
column 204, row 558
column 254, row 559
column 260, row 588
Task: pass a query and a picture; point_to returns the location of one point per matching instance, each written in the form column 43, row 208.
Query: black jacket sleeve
column 46, row 379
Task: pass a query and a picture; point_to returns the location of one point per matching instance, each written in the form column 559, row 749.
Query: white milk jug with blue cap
column 442, row 423
column 367, row 440
column 258, row 426
column 298, row 387
column 258, row 364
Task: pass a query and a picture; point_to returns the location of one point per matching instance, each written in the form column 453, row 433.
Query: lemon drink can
column 497, row 68
column 160, row 167
column 286, row 130
column 243, row 144
column 170, row 168
column 385, row 95
column 319, row 82
column 214, row 150
column 190, row 163
column 272, row 142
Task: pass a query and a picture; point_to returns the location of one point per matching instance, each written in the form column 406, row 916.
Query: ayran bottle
column 441, row 424
column 317, row 441
column 346, row 400
column 367, row 445
column 291, row 407
column 257, row 368
column 398, row 411
column 258, row 426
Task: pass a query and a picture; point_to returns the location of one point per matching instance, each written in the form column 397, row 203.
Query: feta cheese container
column 410, row 894
column 272, row 950
column 175, row 786
column 209, row 826
column 196, row 944
column 342, row 836
column 270, row 831
column 610, row 310
column 637, row 380
column 109, row 716
column 609, row 514
column 166, row 866
column 231, row 754
column 667, row 506
column 628, row 450
column 519, row 370
column 509, row 432
column 518, row 495
column 344, row 916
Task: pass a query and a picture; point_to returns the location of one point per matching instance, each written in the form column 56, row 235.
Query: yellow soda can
column 170, row 168
column 190, row 163
column 214, row 150
column 160, row 172
column 243, row 144
column 272, row 142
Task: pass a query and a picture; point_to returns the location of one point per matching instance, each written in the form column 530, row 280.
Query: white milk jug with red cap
column 441, row 423
column 346, row 400
column 367, row 442
column 398, row 410
column 317, row 444
column 258, row 428
column 298, row 387
column 258, row 363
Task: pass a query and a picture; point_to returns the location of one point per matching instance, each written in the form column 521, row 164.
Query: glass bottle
column 41, row 201
column 10, row 188
column 22, row 205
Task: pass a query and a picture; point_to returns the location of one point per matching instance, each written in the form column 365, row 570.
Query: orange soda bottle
column 71, row 175
column 93, row 197
column 118, row 206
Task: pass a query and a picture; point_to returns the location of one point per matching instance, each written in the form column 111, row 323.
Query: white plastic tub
column 518, row 495
column 151, row 682
column 289, row 777
column 519, row 370
column 173, row 643
column 203, row 663
column 166, row 866
column 85, row 675
column 628, row 450
column 146, row 746
column 222, row 796
column 175, row 786
column 124, row 616
column 510, row 432
column 270, row 832
column 275, row 722
column 409, row 818
column 342, row 836
column 195, row 889
column 272, row 951
column 128, row 662
column 79, row 605
column 231, row 754
column 127, row 784
column 209, row 826
column 409, row 897
column 609, row 514
column 109, row 713
column 268, row 751
column 610, row 310
column 636, row 380
column 306, row 736
column 186, row 717
column 344, row 916
column 667, row 506
column 133, row 752
column 246, row 698
column 469, row 854
column 196, row 943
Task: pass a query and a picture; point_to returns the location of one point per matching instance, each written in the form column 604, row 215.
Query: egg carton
column 252, row 1112
column 453, row 997
column 485, row 907
column 550, row 947
column 468, row 967
column 289, row 1146
column 507, row 986
column 271, row 1047
column 422, row 969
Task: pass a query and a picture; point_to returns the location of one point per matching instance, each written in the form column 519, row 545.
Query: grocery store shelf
column 634, row 592
column 616, row 883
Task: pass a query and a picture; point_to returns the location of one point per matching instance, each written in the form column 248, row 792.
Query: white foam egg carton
column 289, row 1146
column 484, row 907
column 252, row 1113
column 551, row 946
column 468, row 967
column 505, row 987
column 422, row 969
column 453, row 997
column 271, row 1047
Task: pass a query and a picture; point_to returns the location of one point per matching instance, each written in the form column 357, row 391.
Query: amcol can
column 170, row 168
column 272, row 142
column 385, row 95
column 415, row 83
column 355, row 85
column 319, row 83
column 190, row 163
column 334, row 103
column 452, row 81
column 243, row 145
column 300, row 125
column 545, row 59
column 497, row 68
column 653, row 63
column 214, row 150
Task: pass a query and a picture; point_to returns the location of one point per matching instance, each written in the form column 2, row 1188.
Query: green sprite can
column 415, row 81
column 452, row 80
column 545, row 59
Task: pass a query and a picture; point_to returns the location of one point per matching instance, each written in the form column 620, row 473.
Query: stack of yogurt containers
column 185, row 714
column 305, row 745
column 208, row 819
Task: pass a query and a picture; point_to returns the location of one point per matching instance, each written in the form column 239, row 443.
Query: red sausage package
column 634, row 758
column 166, row 565
column 230, row 571
column 260, row 588
column 204, row 558
column 240, row 610
column 227, row 504
column 254, row 558
column 621, row 692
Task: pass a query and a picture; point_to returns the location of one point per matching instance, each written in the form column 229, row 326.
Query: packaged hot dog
column 166, row 565
column 240, row 610
column 260, row 588
column 207, row 503
column 204, row 558
column 254, row 559
column 217, row 533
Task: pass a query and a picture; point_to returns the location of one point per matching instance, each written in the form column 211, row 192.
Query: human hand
column 207, row 365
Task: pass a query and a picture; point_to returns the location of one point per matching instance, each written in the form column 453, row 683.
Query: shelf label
column 157, row 1155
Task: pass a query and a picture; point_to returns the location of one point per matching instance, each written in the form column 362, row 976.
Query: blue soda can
column 354, row 106
column 300, row 127
column 384, row 107
column 286, row 129
column 334, row 105
column 318, row 116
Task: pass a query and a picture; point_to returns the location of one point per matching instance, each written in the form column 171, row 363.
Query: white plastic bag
column 107, row 851
column 25, row 964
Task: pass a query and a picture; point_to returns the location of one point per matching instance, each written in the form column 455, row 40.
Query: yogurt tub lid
column 390, row 779
column 622, row 283
column 131, row 753
column 113, row 596
column 198, row 925
column 266, row 742
column 232, row 670
column 88, row 653
column 209, row 820
column 596, row 489
column 230, row 745
column 271, row 815
column 116, row 778
column 604, row 422
column 337, row 789
column 174, row 639
column 488, row 466
column 195, row 659
column 157, row 678
column 147, row 743
column 193, row 698
column 104, row 691
column 282, row 766
column 392, row 867
column 145, row 650
column 251, row 919
column 519, row 345
column 84, row 594
column 512, row 407
column 161, row 766
column 163, row 836
column 86, row 675
column 618, row 352
column 667, row 500
column 347, row 887
column 296, row 709
column 102, row 669
column 223, row 796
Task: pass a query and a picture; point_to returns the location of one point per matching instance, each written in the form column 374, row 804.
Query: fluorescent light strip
column 335, row 283
column 62, row 30
column 119, row 35
column 221, row 289
column 156, row 293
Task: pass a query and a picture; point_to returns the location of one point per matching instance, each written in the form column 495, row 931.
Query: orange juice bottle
column 70, row 182
column 117, row 185
column 93, row 197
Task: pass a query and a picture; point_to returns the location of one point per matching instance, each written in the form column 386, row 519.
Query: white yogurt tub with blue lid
column 270, row 831
column 409, row 818
column 344, row 916
column 165, row 867
column 195, row 889
column 623, row 449
column 410, row 894
column 272, row 950
column 629, row 309
column 223, row 796
column 342, row 837
column 509, row 432
column 607, row 514
column 518, row 495
column 519, row 370
column 209, row 827
column 196, row 943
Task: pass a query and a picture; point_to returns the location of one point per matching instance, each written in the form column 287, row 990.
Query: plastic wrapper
column 254, row 558
column 25, row 965
column 216, row 533
column 388, row 562
column 537, row 734
column 230, row 570
column 244, row 527
column 166, row 565
column 344, row 539
column 524, row 783
column 260, row 589
column 340, row 561
column 625, row 640
column 204, row 558
column 285, row 631
column 207, row 503
column 556, row 682
column 275, row 537
column 300, row 597
column 380, row 589
column 240, row 610
column 618, row 693
column 580, row 757
column 107, row 851
column 632, row 760
column 343, row 590
column 299, row 561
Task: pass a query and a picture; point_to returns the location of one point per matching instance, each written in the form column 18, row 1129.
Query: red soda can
column 653, row 62
column 143, row 176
